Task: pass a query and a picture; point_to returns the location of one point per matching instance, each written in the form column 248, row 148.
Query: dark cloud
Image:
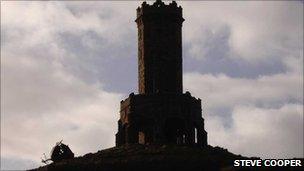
column 232, row 67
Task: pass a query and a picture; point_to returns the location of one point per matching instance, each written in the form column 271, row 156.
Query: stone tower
column 161, row 113
column 160, row 48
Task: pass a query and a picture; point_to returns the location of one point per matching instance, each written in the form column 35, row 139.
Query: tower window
column 195, row 135
column 141, row 137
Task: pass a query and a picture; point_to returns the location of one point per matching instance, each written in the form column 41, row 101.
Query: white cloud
column 258, row 30
column 266, row 90
column 243, row 114
column 43, row 102
column 261, row 132
column 41, row 105
column 255, row 117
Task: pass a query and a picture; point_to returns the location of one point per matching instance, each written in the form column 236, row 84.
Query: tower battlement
column 160, row 9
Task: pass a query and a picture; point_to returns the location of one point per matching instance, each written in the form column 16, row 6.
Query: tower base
column 161, row 119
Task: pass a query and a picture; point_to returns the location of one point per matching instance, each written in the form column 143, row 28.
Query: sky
column 65, row 67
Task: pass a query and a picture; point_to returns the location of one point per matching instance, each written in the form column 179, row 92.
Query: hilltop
column 153, row 157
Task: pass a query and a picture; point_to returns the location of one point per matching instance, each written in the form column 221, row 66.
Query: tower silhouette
column 161, row 113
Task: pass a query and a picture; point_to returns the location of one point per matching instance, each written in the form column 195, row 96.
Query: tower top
column 158, row 3
column 159, row 8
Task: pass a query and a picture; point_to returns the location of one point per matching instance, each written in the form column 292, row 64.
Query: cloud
column 243, row 61
column 13, row 163
column 66, row 65
column 254, row 117
column 41, row 103
column 262, row 132
column 43, row 100
column 257, row 30
column 242, row 39
column 267, row 90
column 91, row 38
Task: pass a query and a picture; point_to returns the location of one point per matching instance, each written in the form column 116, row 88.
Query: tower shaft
column 159, row 48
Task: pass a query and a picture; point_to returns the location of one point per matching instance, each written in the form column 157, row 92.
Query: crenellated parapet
column 159, row 9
